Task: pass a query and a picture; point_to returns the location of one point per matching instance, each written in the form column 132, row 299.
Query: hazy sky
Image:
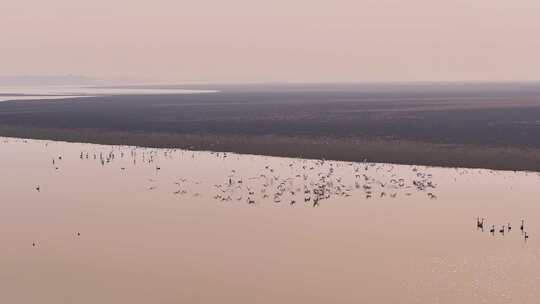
column 273, row 40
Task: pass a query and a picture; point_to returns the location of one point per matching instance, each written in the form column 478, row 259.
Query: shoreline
column 401, row 152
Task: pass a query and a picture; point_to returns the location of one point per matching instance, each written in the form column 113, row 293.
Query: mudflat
column 487, row 125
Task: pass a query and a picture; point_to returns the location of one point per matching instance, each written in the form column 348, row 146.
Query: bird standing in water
column 480, row 224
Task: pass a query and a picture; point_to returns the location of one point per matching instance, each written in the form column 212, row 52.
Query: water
column 10, row 93
column 185, row 233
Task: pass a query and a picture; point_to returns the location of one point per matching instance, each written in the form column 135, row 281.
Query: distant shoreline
column 356, row 150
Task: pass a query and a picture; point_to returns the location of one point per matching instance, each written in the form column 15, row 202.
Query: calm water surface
column 162, row 226
column 12, row 93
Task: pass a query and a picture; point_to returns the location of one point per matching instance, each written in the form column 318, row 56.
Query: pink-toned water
column 142, row 243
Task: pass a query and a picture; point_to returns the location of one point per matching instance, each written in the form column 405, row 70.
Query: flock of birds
column 315, row 182
column 480, row 223
column 305, row 181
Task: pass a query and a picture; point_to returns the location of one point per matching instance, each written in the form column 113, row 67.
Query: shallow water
column 185, row 233
column 11, row 93
column 36, row 97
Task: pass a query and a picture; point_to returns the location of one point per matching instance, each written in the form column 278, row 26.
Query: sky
column 272, row 40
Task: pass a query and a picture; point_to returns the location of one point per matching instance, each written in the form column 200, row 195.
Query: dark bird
column 492, row 230
column 502, row 230
column 480, row 224
column 522, row 223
